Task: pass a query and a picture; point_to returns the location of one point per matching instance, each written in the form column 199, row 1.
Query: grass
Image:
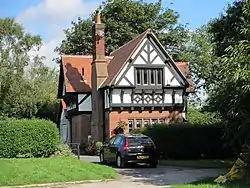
column 208, row 183
column 49, row 170
column 199, row 163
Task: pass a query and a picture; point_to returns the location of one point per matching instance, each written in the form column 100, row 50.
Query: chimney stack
column 98, row 39
column 99, row 74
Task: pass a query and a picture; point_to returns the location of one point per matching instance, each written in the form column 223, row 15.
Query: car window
column 112, row 139
column 118, row 140
column 135, row 141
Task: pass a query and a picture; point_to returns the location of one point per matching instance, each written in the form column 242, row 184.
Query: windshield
column 135, row 141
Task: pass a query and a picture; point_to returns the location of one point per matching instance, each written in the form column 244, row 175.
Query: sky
column 48, row 18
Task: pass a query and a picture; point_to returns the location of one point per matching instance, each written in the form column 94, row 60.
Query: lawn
column 48, row 170
column 199, row 163
column 208, row 183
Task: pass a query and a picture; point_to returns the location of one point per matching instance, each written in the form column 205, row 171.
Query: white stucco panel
column 170, row 78
column 86, row 105
column 178, row 96
column 130, row 75
column 127, row 96
column 158, row 61
column 168, row 96
column 116, row 96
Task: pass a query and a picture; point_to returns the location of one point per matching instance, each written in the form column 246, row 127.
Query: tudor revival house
column 138, row 83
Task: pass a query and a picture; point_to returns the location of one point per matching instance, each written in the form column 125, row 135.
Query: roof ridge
column 130, row 41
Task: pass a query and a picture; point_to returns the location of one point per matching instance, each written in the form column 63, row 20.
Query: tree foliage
column 230, row 94
column 200, row 117
column 124, row 19
column 26, row 85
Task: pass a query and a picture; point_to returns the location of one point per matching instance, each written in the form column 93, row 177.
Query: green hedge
column 28, row 138
column 184, row 141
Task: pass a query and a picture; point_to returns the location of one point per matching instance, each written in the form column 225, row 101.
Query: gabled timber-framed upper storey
column 138, row 83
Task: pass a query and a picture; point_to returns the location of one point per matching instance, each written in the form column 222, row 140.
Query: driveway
column 144, row 177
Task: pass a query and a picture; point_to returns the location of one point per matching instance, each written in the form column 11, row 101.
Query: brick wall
column 164, row 117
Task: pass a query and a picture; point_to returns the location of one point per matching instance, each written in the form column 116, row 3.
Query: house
column 139, row 83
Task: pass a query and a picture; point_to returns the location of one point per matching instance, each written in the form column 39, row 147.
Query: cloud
column 50, row 17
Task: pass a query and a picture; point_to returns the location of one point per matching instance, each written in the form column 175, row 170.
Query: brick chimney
column 99, row 74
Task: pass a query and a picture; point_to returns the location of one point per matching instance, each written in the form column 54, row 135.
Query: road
column 143, row 177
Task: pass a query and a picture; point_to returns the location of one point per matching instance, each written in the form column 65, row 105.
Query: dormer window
column 82, row 76
column 149, row 76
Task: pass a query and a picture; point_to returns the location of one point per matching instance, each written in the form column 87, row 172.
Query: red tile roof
column 73, row 64
column 183, row 67
column 72, row 70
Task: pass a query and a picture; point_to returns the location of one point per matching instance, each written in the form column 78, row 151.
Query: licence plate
column 142, row 157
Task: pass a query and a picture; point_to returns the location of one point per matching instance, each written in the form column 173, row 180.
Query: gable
column 150, row 55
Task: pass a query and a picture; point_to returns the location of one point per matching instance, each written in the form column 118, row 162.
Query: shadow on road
column 160, row 176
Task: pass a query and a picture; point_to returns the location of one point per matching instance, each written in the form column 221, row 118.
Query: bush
column 185, row 141
column 98, row 147
column 63, row 150
column 28, row 138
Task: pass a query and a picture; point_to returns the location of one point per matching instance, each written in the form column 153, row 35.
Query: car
column 124, row 149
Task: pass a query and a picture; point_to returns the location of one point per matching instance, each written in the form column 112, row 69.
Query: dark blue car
column 124, row 149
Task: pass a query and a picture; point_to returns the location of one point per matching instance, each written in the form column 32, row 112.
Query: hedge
column 185, row 141
column 28, row 138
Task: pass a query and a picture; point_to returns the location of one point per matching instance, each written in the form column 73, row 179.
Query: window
column 130, row 125
column 151, row 76
column 112, row 139
column 82, row 72
column 159, row 76
column 137, row 141
column 82, row 76
column 138, row 123
column 138, row 77
column 161, row 121
column 118, row 140
column 154, row 121
column 145, row 77
column 146, row 122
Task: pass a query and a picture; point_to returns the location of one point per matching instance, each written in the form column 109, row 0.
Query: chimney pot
column 98, row 18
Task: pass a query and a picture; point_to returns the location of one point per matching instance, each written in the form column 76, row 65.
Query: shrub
column 98, row 147
column 28, row 138
column 185, row 141
column 63, row 150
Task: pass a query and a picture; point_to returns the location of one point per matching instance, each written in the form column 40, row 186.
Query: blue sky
column 49, row 17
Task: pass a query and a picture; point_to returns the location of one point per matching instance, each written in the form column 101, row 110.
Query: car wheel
column 119, row 161
column 153, row 164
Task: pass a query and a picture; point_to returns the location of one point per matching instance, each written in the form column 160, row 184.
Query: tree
column 26, row 85
column 226, row 29
column 124, row 19
column 16, row 91
column 231, row 93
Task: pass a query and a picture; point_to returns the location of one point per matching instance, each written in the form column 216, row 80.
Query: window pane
column 145, row 76
column 137, row 141
column 159, row 76
column 154, row 121
column 146, row 122
column 161, row 121
column 130, row 125
column 138, row 76
column 152, row 75
column 138, row 123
